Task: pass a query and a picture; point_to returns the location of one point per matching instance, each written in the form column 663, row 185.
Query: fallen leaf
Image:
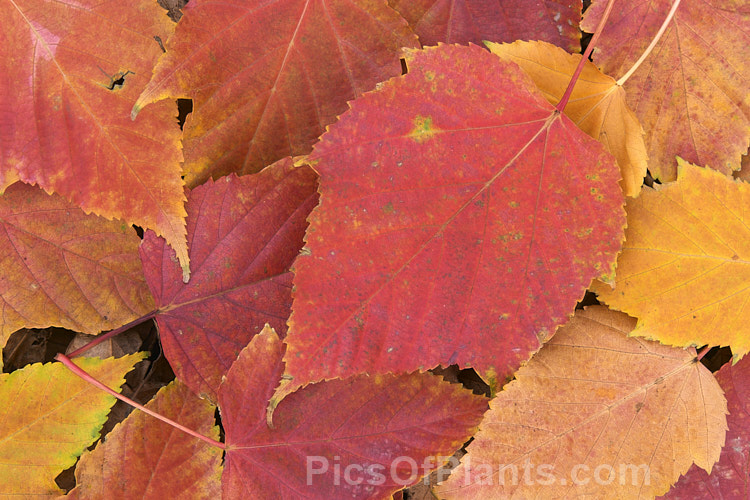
column 267, row 77
column 363, row 437
column 244, row 234
column 456, row 224
column 595, row 414
column 66, row 123
column 691, row 92
column 124, row 343
column 730, row 476
column 49, row 417
column 597, row 104
column 683, row 271
column 148, row 459
column 61, row 267
column 464, row 21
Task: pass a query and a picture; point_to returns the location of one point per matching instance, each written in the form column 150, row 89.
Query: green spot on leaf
column 423, row 129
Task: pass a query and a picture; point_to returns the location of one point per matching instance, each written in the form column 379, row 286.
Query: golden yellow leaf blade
column 48, row 417
column 685, row 266
column 597, row 104
column 595, row 414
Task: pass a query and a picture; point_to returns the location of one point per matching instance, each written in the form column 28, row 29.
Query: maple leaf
column 597, row 104
column 49, row 417
column 683, row 269
column 464, row 21
column 730, row 476
column 244, row 234
column 266, row 77
column 61, row 267
column 691, row 93
column 378, row 432
column 66, row 119
column 146, row 458
column 438, row 237
column 595, row 414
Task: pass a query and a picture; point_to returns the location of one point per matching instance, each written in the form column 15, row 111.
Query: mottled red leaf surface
column 374, row 435
column 244, row 233
column 461, row 218
column 476, row 21
column 691, row 93
column 267, row 77
column 65, row 124
column 145, row 458
column 730, row 476
column 61, row 267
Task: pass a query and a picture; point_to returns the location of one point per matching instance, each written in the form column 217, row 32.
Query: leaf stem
column 650, row 48
column 91, row 380
column 592, row 43
column 112, row 333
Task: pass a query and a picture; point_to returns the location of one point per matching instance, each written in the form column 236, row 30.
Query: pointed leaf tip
column 134, row 112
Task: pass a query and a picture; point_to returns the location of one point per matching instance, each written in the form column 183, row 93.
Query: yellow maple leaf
column 684, row 271
column 595, row 414
column 597, row 104
column 48, row 417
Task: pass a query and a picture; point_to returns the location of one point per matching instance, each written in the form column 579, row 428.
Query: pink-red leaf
column 146, row 458
column 461, row 218
column 476, row 21
column 244, row 233
column 730, row 476
column 382, row 432
column 65, row 123
column 267, row 77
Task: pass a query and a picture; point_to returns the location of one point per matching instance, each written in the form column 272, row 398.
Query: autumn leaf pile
column 363, row 192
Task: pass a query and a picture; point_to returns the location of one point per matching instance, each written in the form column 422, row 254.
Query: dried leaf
column 730, row 477
column 691, row 92
column 595, row 414
column 267, row 77
column 597, row 104
column 49, row 416
column 244, row 234
column 683, row 271
column 464, row 21
column 66, row 123
column 343, row 438
column 149, row 459
column 61, row 267
column 456, row 224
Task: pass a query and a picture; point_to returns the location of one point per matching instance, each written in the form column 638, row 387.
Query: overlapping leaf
column 730, row 477
column 363, row 437
column 66, row 124
column 464, row 21
column 454, row 225
column 48, row 417
column 244, row 234
column 597, row 104
column 691, row 93
column 595, row 414
column 267, row 77
column 61, row 267
column 683, row 271
column 146, row 458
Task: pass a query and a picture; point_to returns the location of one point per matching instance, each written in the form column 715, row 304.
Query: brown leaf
column 595, row 414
